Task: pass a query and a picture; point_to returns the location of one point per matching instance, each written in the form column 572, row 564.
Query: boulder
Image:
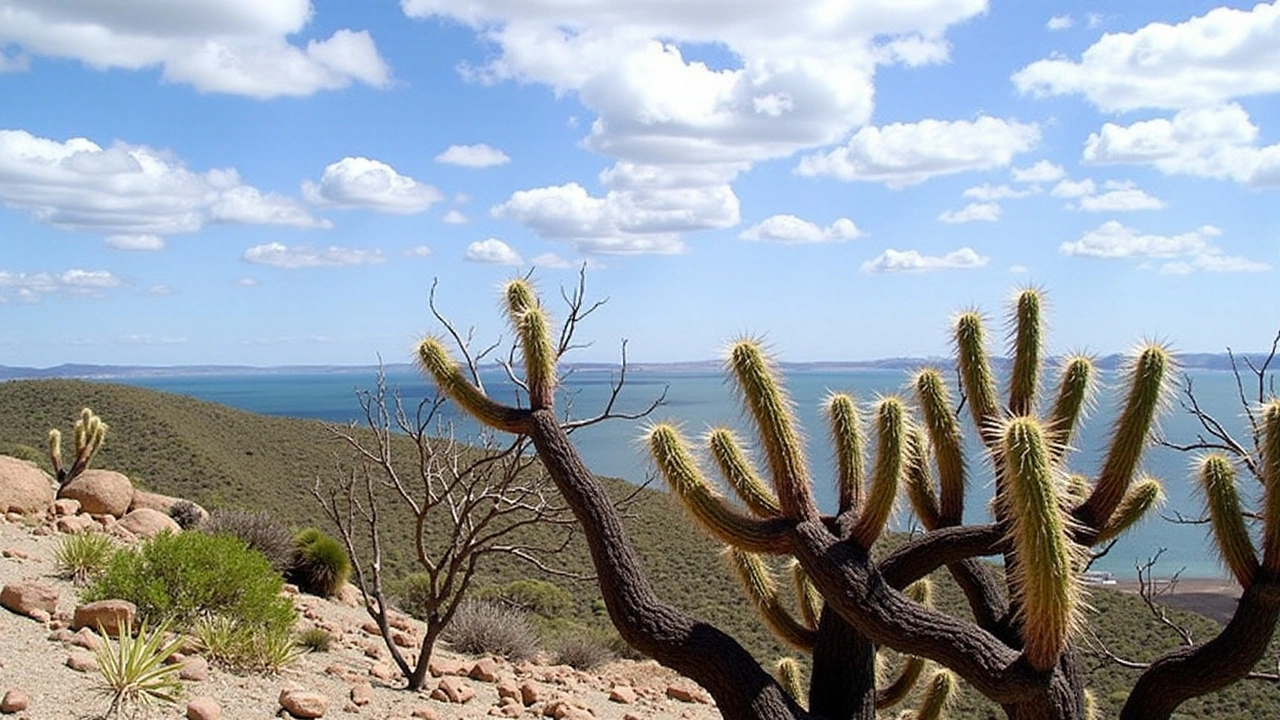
column 454, row 690
column 203, row 708
column 303, row 704
column 24, row 488
column 30, row 598
column 145, row 523
column 100, row 492
column 110, row 615
column 75, row 524
column 14, row 701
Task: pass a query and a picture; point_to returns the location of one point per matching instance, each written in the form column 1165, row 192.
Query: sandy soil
column 1213, row 598
column 34, row 664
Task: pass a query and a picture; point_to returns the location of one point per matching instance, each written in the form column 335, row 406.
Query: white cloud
column 1059, row 22
column 973, row 212
column 141, row 339
column 555, row 262
column 239, row 47
column 417, row 251
column 988, row 193
column 492, row 251
column 1223, row 54
column 1042, row 171
column 1019, row 269
column 1120, row 200
column 1214, row 142
column 791, row 229
column 903, row 154
column 913, row 261
column 455, row 217
column 294, row 257
column 31, row 287
column 1074, row 188
column 129, row 189
column 141, row 243
column 247, row 282
column 358, row 182
column 1186, row 252
column 161, row 289
column 473, row 156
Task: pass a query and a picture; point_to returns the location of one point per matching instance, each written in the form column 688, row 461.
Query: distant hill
column 222, row 457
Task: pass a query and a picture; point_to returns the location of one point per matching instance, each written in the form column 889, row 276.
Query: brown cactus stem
column 843, row 681
column 947, row 444
column 957, row 548
column 1026, row 353
column 1190, row 672
column 741, row 688
column 1271, row 487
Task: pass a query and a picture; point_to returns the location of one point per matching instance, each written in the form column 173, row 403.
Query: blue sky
column 263, row 183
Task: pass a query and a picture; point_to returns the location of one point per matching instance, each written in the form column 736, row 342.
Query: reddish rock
column 624, row 694
column 66, row 506
column 24, row 488
column 15, row 553
column 203, row 708
column 100, row 492
column 14, row 701
column 425, row 713
column 303, row 704
column 445, row 666
column 383, row 671
column 30, row 598
column 404, row 640
column 485, row 670
column 75, row 524
column 508, row 689
column 86, row 639
column 685, row 694
column 529, row 694
column 110, row 615
column 81, row 661
column 195, row 669
column 145, row 523
column 361, row 694
column 455, row 690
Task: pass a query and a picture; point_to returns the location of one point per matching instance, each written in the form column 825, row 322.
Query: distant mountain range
column 1188, row 361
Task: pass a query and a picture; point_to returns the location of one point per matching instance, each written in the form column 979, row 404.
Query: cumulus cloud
column 493, row 252
column 1120, row 200
column 473, row 156
column 913, row 261
column 1059, row 22
column 293, row 257
column 1187, row 252
column 32, row 287
column 129, row 189
column 417, row 251
column 240, row 47
column 1225, row 53
column 973, row 212
column 903, row 154
column 1042, row 171
column 1074, row 188
column 455, row 217
column 1214, row 142
column 141, row 243
column 791, row 229
column 161, row 289
column 362, row 183
column 987, row 192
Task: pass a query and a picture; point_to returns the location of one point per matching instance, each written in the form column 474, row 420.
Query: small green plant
column 179, row 578
column 480, row 627
column 242, row 647
column 320, row 563
column 83, row 557
column 259, row 530
column 134, row 674
column 315, row 639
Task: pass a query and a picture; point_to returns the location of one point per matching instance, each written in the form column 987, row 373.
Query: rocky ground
column 48, row 673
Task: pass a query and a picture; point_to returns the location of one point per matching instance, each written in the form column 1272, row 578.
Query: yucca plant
column 134, row 675
column 83, row 557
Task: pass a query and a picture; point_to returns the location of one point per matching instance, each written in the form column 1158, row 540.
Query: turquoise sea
column 701, row 398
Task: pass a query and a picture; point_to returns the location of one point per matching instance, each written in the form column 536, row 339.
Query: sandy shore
column 1213, row 598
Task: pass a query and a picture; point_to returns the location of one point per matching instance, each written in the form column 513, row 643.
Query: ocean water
column 701, row 399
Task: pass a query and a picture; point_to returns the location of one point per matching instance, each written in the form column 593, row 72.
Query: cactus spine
column 1141, row 498
column 1075, row 390
column 976, row 376
column 944, row 437
column 1026, row 353
column 1218, row 483
column 727, row 453
column 787, row 673
column 846, row 437
column 531, row 326
column 762, row 590
column 891, row 427
column 1271, row 486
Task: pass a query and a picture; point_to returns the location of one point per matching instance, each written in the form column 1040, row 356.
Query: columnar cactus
column 1018, row 650
column 90, row 433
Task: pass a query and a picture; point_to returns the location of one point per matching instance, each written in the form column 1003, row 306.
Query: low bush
column 259, row 530
column 83, row 557
column 187, row 514
column 179, row 578
column 584, row 652
column 482, row 627
column 532, row 596
column 243, row 647
column 320, row 563
column 315, row 639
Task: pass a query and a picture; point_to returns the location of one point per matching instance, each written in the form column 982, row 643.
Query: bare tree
column 479, row 498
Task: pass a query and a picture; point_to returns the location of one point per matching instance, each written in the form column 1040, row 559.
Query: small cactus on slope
column 90, row 433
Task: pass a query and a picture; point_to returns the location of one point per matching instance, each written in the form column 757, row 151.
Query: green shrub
column 532, row 596
column 584, row 651
column 320, row 563
column 413, row 594
column 480, row 627
column 187, row 514
column 315, row 639
column 259, row 530
column 83, row 556
column 178, row 578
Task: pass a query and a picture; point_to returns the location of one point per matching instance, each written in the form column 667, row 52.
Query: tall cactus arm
column 1218, row 485
column 807, row 597
column 787, row 672
column 771, row 410
column 919, row 479
column 1044, row 580
column 976, row 377
column 938, row 695
column 1147, row 376
column 737, row 471
column 434, row 360
column 893, row 693
column 1271, row 492
column 55, row 454
column 1026, row 353
column 891, row 430
column 762, row 590
column 1141, row 498
column 846, row 438
column 944, row 436
column 671, row 454
column 1075, row 393
column 529, row 321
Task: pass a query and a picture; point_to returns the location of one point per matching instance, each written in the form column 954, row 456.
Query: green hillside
column 222, row 457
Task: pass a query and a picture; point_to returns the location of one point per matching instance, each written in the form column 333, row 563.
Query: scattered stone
column 66, row 506
column 362, row 693
column 685, row 694
column 425, row 713
column 485, row 670
column 349, row 595
column 100, row 492
column 444, row 666
column 399, row 621
column 509, row 690
column 111, row 615
column 61, row 635
column 24, row 488
column 624, row 694
column 75, row 524
column 145, row 523
column 195, row 669
column 303, row 704
column 529, row 694
column 14, row 701
column 383, row 671
column 371, row 628
column 29, row 597
column 15, row 553
column 507, row 711
column 404, row 640
column 454, row 690
column 86, row 639
column 81, row 661
column 374, row 649
column 203, row 708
